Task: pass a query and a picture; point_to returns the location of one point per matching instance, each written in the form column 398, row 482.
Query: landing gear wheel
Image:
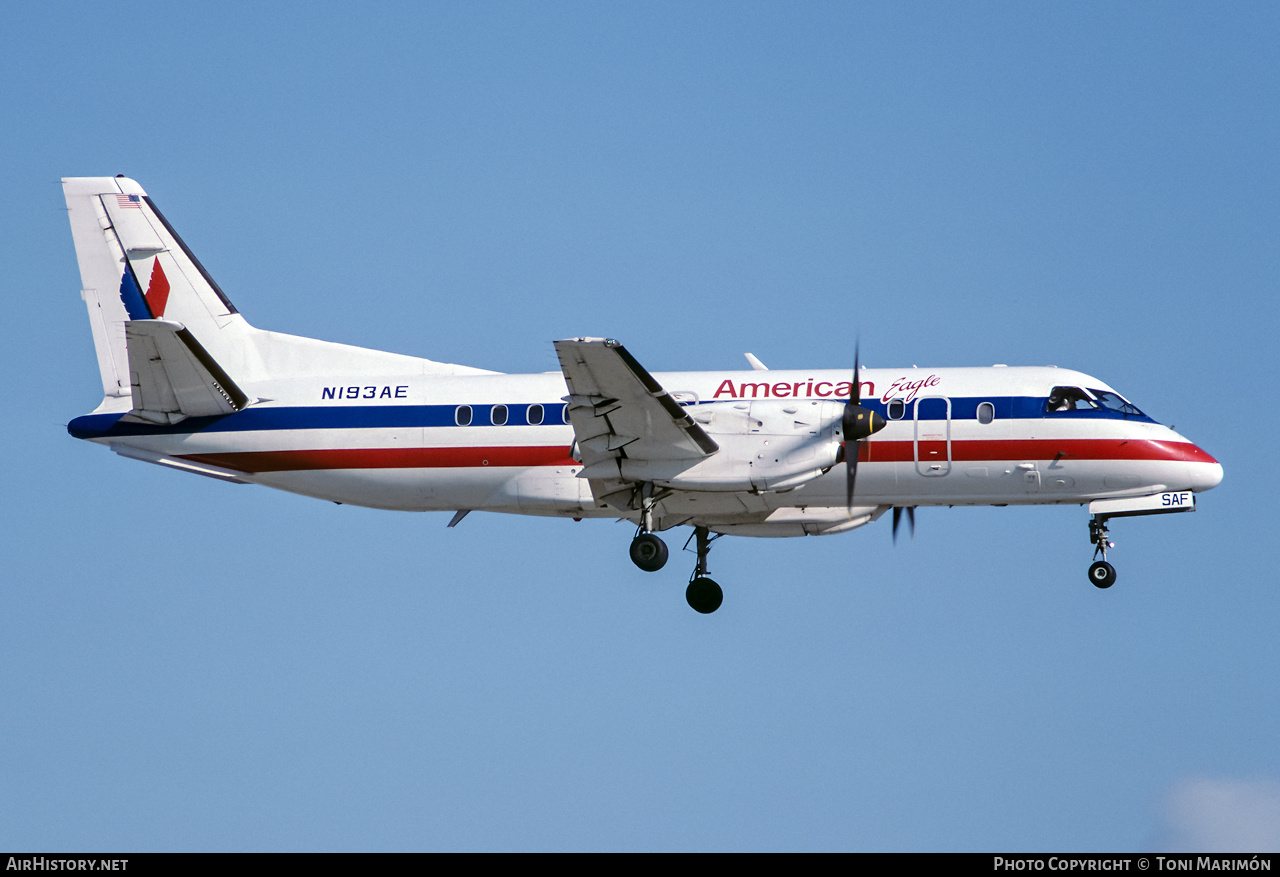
column 704, row 595
column 1102, row 574
column 648, row 552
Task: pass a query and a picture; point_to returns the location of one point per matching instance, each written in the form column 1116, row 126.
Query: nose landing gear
column 1101, row 573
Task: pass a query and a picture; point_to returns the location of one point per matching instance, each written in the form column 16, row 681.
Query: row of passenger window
column 502, row 415
column 1062, row 399
column 898, row 409
column 535, row 415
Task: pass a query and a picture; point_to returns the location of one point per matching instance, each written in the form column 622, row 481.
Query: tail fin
column 133, row 266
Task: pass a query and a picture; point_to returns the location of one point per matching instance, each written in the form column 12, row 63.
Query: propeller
column 911, row 521
column 856, row 423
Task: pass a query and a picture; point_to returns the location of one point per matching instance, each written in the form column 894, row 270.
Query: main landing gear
column 703, row 594
column 648, row 551
column 650, row 554
column 1101, row 573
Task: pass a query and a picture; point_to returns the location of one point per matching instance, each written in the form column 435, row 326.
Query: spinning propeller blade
column 911, row 521
column 856, row 423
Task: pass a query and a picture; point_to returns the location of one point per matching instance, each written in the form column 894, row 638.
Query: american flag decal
column 133, row 201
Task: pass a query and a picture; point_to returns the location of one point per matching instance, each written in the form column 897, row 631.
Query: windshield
column 1113, row 402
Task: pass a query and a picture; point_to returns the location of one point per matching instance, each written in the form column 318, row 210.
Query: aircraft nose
column 1205, row 476
column 1203, row 471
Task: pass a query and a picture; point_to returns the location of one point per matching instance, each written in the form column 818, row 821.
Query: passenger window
column 462, row 416
column 535, row 415
column 986, row 412
column 897, row 409
column 498, row 415
column 564, row 413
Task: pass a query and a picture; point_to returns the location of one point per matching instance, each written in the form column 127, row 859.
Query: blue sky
column 190, row 665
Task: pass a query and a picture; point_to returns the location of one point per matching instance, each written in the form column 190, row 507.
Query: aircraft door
column 933, row 435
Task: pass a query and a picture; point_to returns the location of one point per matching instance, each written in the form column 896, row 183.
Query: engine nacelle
column 765, row 445
column 807, row 521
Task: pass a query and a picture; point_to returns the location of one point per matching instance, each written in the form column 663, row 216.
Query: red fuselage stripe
column 1034, row 449
column 871, row 451
column 385, row 458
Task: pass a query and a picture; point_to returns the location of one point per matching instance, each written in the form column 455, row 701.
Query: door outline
column 937, row 443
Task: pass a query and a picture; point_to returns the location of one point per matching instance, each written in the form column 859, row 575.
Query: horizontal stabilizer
column 173, row 377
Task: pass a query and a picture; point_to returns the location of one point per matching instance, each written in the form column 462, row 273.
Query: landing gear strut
column 1101, row 573
column 703, row 594
column 647, row 551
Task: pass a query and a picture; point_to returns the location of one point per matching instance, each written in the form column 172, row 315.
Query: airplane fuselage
column 496, row 442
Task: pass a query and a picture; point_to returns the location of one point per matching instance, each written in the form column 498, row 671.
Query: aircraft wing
column 620, row 412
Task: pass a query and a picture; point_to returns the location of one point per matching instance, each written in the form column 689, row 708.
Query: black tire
column 704, row 595
column 1102, row 574
column 648, row 552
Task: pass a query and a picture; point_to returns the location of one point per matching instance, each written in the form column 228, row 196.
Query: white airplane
column 188, row 383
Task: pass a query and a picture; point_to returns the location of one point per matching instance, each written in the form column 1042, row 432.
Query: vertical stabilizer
column 133, row 266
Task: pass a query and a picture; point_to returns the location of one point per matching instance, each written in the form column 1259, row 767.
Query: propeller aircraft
column 189, row 384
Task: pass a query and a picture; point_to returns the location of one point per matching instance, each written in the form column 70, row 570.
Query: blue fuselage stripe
column 419, row 416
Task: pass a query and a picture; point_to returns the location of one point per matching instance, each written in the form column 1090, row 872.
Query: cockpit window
column 1113, row 402
column 1068, row 399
